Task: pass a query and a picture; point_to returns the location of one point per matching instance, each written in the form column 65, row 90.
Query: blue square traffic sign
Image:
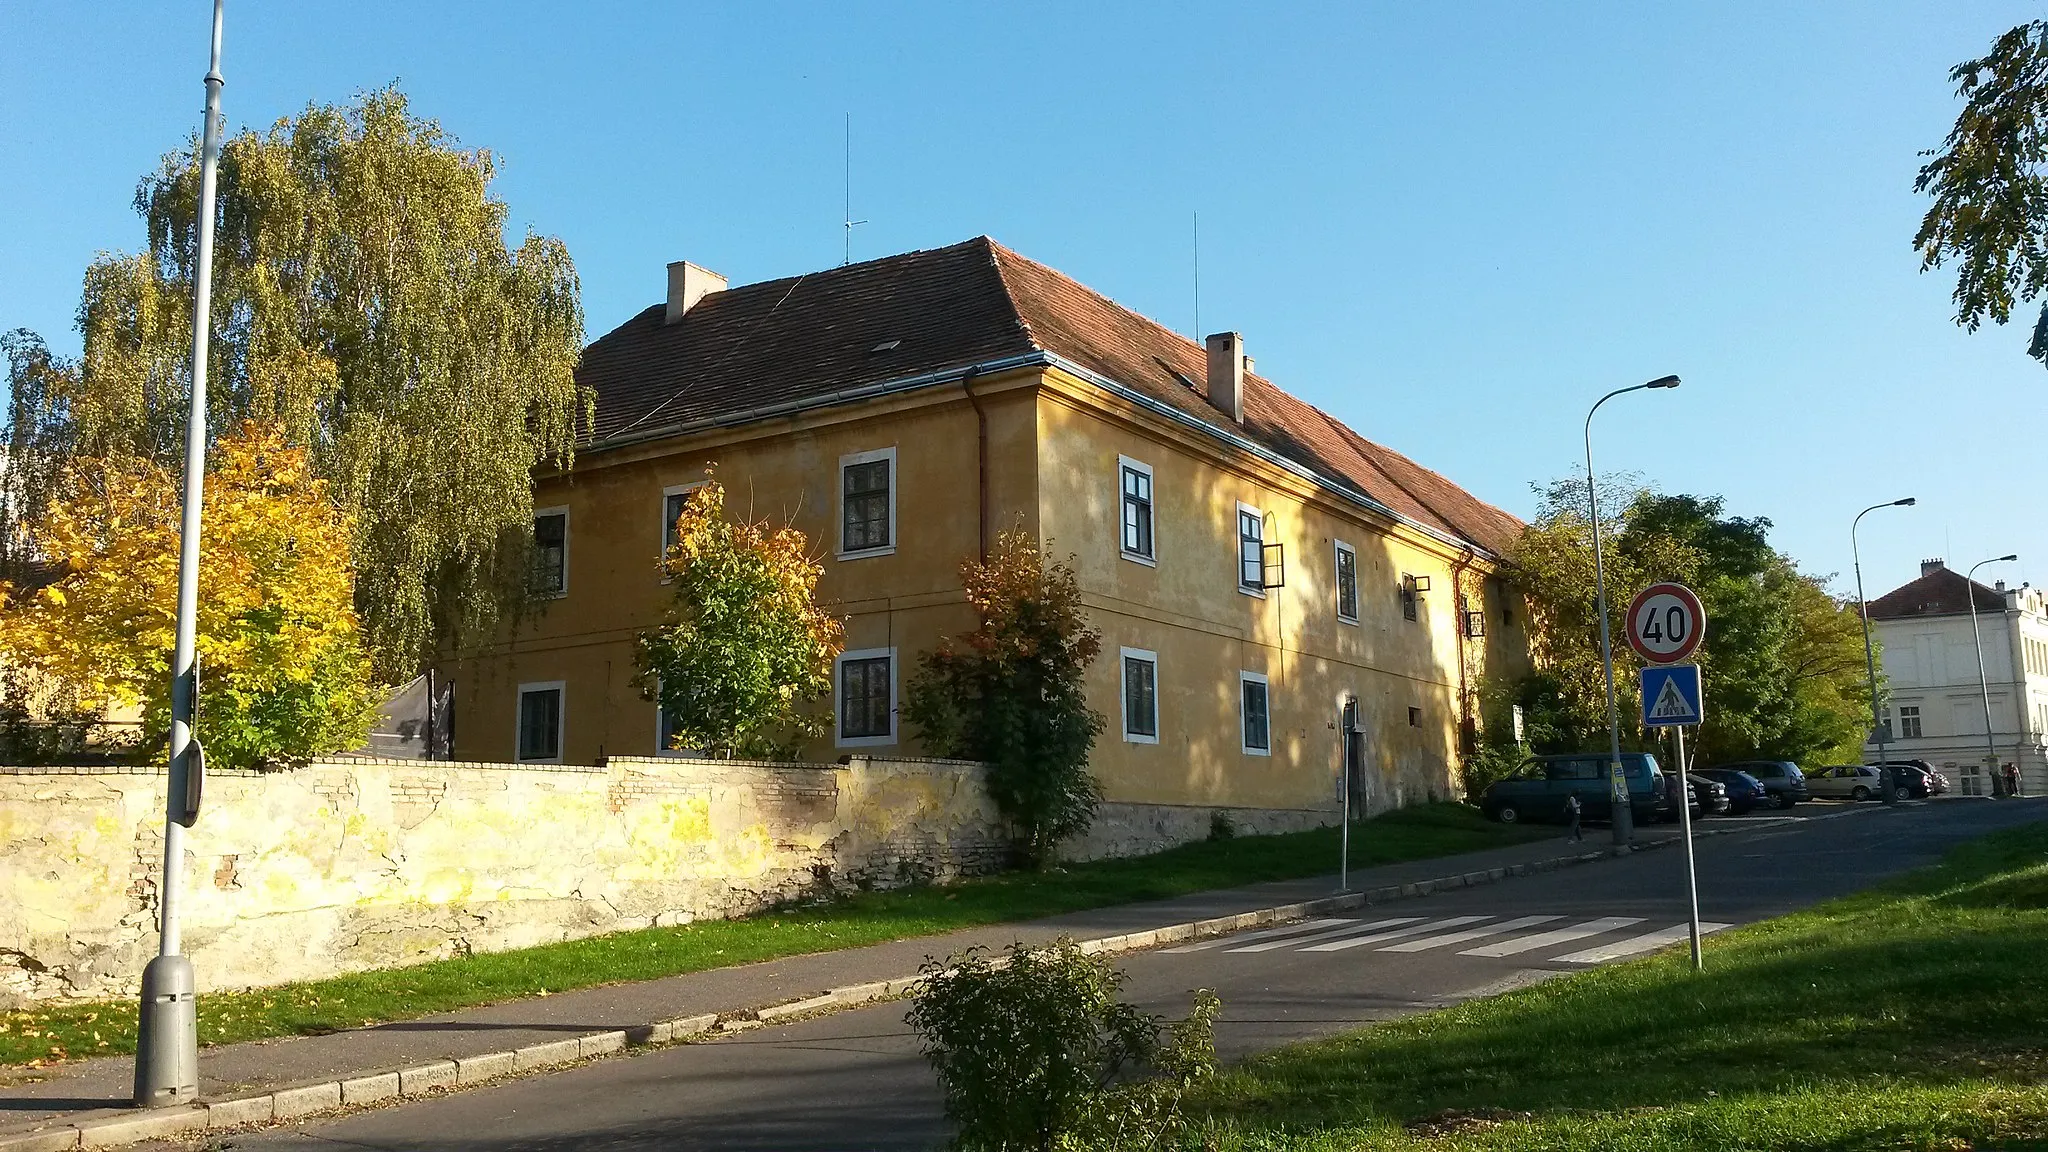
column 1671, row 695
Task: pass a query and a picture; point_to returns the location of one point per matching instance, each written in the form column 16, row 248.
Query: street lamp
column 1983, row 684
column 1624, row 814
column 1877, row 726
column 167, row 1025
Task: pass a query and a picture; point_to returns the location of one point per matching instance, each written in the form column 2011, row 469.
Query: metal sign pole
column 1692, row 883
column 167, row 1025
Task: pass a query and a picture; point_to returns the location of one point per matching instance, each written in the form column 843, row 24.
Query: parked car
column 1782, row 779
column 1537, row 791
column 1710, row 796
column 1744, row 790
column 1693, row 802
column 1918, row 775
column 1851, row 782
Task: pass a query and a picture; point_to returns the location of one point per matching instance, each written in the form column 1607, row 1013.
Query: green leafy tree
column 1989, row 182
column 283, row 673
column 365, row 301
column 1012, row 693
column 1783, row 659
column 743, row 652
column 1029, row 1051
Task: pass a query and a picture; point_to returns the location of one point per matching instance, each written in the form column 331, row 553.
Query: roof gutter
column 1036, row 359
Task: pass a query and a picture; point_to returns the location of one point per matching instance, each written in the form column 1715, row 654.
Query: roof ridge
column 994, row 250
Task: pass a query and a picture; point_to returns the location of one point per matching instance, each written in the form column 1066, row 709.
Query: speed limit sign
column 1666, row 623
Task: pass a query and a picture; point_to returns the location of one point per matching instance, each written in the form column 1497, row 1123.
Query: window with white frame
column 539, row 738
column 1347, row 583
column 668, row 728
column 1251, row 551
column 672, row 500
column 1134, row 481
column 1141, row 696
column 550, row 573
column 866, row 697
column 867, row 503
column 1255, row 714
column 1909, row 722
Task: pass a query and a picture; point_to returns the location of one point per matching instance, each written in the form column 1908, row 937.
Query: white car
column 1847, row 782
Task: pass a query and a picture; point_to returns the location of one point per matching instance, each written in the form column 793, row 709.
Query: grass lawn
column 1911, row 1016
column 100, row 1028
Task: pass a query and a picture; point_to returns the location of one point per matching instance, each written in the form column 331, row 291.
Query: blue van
column 1537, row 790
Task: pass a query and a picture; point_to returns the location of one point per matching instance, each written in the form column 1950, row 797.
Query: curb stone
column 364, row 1088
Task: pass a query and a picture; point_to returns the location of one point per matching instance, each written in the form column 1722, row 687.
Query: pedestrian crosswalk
column 1513, row 936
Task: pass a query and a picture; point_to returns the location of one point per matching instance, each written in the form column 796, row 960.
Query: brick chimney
column 688, row 284
column 1226, row 374
column 1930, row 567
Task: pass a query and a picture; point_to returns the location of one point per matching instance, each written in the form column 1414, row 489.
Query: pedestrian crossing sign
column 1671, row 695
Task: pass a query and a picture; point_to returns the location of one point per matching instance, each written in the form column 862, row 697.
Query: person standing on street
column 1571, row 811
column 2012, row 780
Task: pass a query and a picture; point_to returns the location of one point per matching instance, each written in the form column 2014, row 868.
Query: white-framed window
column 673, row 498
column 1141, row 696
column 864, row 697
column 1134, row 487
column 867, row 504
column 1251, row 551
column 551, row 551
column 1909, row 722
column 667, row 728
column 1255, row 714
column 1347, row 583
column 537, row 738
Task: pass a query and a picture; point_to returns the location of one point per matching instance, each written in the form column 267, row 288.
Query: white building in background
column 1930, row 662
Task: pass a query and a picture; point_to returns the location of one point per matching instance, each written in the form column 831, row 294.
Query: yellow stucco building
column 1252, row 563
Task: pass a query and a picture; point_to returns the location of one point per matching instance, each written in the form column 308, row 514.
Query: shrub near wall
column 354, row 864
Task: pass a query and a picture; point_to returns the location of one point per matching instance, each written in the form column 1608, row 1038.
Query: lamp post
column 1623, row 821
column 1877, row 725
column 1983, row 683
column 167, row 1026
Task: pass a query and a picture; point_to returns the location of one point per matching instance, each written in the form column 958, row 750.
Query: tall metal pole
column 1984, row 682
column 1623, row 812
column 167, row 1040
column 1692, row 883
column 1877, row 725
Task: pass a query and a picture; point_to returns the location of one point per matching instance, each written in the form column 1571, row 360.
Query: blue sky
column 1453, row 225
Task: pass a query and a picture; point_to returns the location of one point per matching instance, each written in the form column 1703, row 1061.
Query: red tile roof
column 808, row 337
column 1942, row 592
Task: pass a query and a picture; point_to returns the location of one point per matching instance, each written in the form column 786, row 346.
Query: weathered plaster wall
column 356, row 864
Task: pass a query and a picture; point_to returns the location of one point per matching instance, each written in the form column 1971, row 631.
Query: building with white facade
column 1930, row 662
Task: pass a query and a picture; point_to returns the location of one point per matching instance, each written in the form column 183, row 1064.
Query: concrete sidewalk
column 304, row 1073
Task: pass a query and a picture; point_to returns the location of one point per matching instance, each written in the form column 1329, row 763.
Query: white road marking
column 1647, row 942
column 1554, row 936
column 1240, row 937
column 1429, row 942
column 1332, row 934
column 1432, row 926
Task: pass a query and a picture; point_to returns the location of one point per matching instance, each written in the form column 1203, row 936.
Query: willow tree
column 365, row 301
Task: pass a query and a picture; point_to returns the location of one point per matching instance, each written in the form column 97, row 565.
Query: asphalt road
column 856, row 1081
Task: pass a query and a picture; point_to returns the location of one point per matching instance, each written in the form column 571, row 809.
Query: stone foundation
column 355, row 864
column 1137, row 829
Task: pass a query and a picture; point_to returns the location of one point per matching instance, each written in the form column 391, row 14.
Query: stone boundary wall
column 360, row 863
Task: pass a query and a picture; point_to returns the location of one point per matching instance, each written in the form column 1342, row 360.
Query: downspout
column 1466, row 721
column 980, row 462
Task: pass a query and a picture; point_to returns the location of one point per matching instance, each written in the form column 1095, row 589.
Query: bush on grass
column 1035, row 1052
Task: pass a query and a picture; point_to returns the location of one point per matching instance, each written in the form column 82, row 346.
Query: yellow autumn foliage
column 284, row 675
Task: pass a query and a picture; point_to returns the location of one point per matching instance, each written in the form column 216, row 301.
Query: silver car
column 1844, row 782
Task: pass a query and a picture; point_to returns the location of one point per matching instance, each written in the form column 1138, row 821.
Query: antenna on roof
column 1198, row 275
column 850, row 222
